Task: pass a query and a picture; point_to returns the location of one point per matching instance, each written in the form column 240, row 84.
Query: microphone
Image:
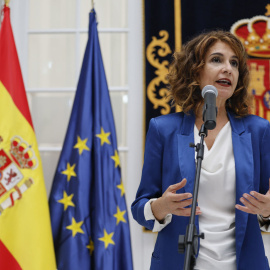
column 209, row 93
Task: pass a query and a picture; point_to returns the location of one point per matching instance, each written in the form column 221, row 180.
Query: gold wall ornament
column 153, row 56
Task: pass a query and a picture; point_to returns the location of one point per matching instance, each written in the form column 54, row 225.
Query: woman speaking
column 234, row 197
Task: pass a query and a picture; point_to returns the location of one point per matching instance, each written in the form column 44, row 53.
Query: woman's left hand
column 255, row 203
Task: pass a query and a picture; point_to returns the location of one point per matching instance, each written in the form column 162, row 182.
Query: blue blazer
column 168, row 159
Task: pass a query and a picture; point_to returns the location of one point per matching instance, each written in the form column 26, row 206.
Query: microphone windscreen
column 208, row 89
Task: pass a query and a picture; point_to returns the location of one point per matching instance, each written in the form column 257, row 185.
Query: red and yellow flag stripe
column 25, row 234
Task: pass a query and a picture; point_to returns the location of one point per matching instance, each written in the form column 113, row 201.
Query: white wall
column 142, row 243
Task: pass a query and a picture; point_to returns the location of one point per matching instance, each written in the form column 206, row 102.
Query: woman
column 234, row 183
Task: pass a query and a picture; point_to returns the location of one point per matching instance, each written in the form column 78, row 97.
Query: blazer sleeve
column 265, row 160
column 151, row 180
column 265, row 170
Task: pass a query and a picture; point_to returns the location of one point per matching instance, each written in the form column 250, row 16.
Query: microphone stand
column 189, row 241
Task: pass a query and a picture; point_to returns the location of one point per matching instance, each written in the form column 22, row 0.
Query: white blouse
column 216, row 199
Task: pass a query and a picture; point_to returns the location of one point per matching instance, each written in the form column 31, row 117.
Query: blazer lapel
column 186, row 154
column 244, row 167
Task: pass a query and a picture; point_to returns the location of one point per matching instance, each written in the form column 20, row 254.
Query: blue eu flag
column 87, row 202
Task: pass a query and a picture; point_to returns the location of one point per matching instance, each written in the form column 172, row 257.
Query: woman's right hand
column 173, row 203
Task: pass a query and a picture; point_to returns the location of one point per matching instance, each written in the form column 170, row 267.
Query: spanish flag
column 25, row 230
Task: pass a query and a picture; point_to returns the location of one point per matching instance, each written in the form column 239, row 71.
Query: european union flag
column 87, row 203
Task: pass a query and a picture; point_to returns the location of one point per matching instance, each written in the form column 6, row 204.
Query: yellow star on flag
column 120, row 215
column 116, row 159
column 91, row 246
column 75, row 227
column 107, row 239
column 104, row 136
column 69, row 171
column 81, row 145
column 67, row 200
column 121, row 187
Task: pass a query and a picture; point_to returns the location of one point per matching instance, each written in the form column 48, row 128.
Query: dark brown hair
column 186, row 65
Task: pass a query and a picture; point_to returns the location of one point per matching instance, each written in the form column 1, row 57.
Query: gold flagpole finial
column 93, row 4
column 7, row 2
